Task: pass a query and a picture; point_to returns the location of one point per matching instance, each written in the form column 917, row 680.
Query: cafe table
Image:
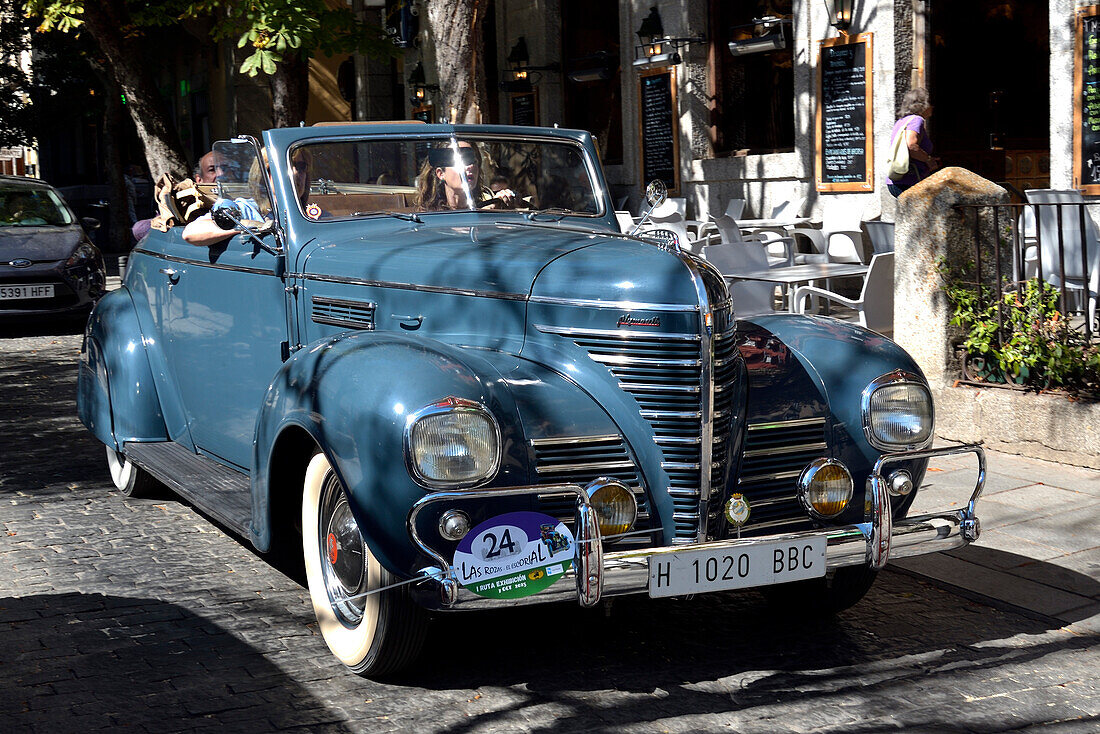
column 794, row 274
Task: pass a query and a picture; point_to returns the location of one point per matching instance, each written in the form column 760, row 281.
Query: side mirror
column 226, row 215
column 90, row 223
column 655, row 194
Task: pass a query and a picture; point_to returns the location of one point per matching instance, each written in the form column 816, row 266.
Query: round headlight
column 825, row 488
column 615, row 505
column 897, row 413
column 452, row 443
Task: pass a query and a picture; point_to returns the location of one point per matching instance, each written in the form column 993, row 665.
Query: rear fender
column 352, row 394
column 116, row 397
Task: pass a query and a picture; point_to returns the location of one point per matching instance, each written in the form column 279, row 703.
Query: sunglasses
column 446, row 158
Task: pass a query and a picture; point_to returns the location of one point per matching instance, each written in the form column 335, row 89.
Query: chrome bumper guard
column 598, row 574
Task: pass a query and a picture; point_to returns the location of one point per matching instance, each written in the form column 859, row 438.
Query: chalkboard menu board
column 659, row 131
column 1086, row 101
column 845, row 149
column 525, row 109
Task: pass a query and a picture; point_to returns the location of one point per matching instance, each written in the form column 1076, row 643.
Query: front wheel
column 373, row 634
column 836, row 591
column 128, row 477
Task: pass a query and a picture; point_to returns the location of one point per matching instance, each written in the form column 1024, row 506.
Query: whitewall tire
column 128, row 477
column 375, row 634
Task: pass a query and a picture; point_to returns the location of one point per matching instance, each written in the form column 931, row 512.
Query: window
column 752, row 109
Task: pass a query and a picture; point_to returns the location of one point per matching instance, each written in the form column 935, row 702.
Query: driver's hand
column 507, row 197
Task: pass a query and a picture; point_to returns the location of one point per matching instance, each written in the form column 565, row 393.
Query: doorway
column 989, row 80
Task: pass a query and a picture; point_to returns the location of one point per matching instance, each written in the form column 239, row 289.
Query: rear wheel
column 129, row 478
column 373, row 634
column 836, row 591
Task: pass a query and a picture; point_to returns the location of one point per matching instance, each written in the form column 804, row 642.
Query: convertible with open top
column 424, row 361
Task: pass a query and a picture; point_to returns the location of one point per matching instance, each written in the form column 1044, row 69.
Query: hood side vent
column 341, row 312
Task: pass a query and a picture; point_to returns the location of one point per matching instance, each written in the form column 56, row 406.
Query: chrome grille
column 579, row 460
column 341, row 312
column 774, row 456
column 664, row 374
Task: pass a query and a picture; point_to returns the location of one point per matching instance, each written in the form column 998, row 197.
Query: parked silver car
column 48, row 266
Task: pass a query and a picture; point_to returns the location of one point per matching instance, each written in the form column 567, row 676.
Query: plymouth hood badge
column 628, row 320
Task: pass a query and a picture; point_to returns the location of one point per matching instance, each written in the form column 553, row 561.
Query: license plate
column 774, row 562
column 18, row 292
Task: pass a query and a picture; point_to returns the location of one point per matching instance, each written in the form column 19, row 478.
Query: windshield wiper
column 556, row 214
column 407, row 216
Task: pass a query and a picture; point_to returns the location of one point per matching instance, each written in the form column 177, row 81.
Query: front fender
column 352, row 394
column 840, row 359
column 116, row 397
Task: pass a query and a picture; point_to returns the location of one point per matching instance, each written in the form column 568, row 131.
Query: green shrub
column 1032, row 345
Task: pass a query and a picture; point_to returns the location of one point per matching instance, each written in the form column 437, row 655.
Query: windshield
column 358, row 178
column 25, row 206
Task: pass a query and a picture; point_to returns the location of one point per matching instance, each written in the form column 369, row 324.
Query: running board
column 215, row 489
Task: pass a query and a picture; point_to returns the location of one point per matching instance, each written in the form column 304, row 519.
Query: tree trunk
column 455, row 28
column 290, row 91
column 131, row 67
column 114, row 116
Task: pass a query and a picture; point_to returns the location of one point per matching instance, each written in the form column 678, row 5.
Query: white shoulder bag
column 899, row 154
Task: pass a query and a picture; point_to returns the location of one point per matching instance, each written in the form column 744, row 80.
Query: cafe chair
column 1085, row 283
column 875, row 305
column 777, row 250
column 881, row 235
column 625, row 220
column 750, row 297
column 840, row 239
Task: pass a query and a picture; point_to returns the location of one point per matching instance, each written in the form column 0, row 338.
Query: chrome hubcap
column 343, row 554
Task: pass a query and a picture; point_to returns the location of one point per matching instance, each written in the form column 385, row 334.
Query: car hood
column 40, row 244
column 497, row 259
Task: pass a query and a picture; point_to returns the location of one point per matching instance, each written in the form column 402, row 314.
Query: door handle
column 173, row 276
column 408, row 323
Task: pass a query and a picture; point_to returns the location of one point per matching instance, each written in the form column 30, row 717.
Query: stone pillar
column 930, row 228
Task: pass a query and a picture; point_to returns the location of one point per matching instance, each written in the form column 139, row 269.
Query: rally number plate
column 20, row 292
column 775, row 562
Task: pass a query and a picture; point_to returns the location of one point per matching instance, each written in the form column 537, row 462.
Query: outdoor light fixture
column 768, row 34
column 518, row 77
column 420, row 87
column 594, row 68
column 840, row 14
column 655, row 48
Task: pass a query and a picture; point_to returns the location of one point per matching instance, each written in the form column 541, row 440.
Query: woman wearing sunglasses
column 451, row 179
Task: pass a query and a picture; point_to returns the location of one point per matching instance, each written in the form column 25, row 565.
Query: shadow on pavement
column 85, row 661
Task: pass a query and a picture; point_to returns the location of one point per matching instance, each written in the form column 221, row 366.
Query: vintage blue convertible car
column 424, row 360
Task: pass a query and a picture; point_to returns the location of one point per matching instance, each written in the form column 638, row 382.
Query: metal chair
column 875, row 305
column 881, row 235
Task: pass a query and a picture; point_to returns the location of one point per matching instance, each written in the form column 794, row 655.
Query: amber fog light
column 825, row 488
column 615, row 505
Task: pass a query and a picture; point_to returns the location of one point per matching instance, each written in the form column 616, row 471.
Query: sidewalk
column 1039, row 548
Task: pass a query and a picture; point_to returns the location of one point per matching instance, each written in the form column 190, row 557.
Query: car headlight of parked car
column 897, row 412
column 452, row 443
column 83, row 256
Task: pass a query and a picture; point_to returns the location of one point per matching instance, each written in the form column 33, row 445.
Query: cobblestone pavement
column 145, row 615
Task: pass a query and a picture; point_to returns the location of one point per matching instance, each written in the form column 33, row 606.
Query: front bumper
column 596, row 574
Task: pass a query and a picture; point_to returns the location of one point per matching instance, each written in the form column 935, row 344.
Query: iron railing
column 1036, row 242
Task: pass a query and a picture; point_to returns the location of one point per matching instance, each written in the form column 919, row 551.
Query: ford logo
column 21, row 263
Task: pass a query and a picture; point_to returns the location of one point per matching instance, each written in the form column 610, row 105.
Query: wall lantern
column 518, row 77
column 763, row 35
column 420, row 87
column 654, row 47
column 840, row 14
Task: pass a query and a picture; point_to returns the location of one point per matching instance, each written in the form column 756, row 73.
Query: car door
column 226, row 324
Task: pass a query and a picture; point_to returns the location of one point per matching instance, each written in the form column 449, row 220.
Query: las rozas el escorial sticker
column 514, row 555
